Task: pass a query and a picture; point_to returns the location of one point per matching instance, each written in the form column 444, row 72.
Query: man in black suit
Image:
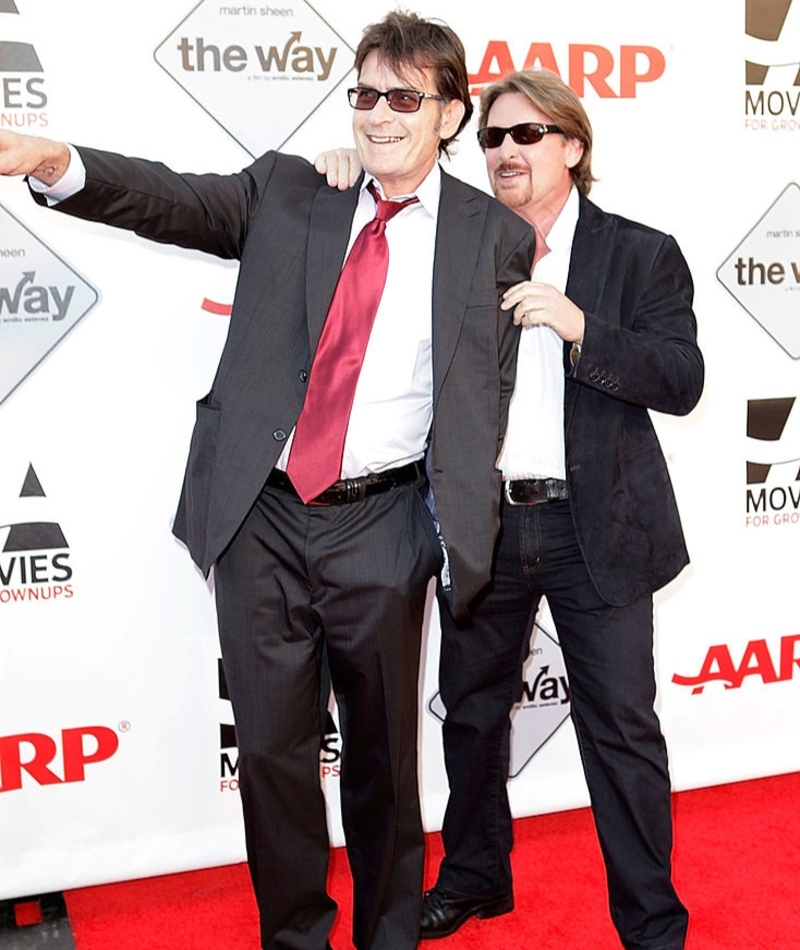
column 418, row 489
column 588, row 520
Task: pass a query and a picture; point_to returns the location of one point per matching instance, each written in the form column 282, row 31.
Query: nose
column 508, row 147
column 381, row 111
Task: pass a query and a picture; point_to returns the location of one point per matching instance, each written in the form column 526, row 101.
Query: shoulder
column 287, row 169
column 476, row 201
column 634, row 246
column 627, row 231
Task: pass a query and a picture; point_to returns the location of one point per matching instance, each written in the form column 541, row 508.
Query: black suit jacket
column 290, row 232
column 639, row 352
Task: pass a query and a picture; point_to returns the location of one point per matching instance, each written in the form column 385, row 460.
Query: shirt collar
column 560, row 237
column 427, row 192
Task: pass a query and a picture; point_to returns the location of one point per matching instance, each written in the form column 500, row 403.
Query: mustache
column 504, row 167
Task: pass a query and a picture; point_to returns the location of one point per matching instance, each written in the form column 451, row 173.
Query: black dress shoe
column 443, row 913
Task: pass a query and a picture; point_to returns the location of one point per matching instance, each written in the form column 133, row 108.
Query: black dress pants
column 608, row 652
column 352, row 578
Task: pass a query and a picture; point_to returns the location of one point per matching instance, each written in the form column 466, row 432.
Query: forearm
column 648, row 355
column 203, row 212
column 40, row 158
column 53, row 164
column 663, row 373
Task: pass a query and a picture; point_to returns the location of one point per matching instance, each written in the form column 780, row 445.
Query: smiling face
column 400, row 148
column 533, row 180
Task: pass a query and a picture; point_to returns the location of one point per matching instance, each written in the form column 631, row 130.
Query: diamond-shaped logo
column 545, row 704
column 772, row 42
column 763, row 272
column 15, row 56
column 259, row 71
column 41, row 300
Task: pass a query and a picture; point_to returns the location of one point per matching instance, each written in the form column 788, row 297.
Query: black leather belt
column 534, row 491
column 348, row 490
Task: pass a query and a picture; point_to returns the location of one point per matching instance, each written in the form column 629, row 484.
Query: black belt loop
column 534, row 491
column 350, row 490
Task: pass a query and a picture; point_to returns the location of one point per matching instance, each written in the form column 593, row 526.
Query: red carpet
column 737, row 867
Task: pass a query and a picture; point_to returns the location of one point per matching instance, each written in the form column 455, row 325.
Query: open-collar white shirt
column 534, row 442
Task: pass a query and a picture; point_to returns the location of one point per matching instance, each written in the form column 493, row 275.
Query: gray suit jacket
column 290, row 232
column 639, row 352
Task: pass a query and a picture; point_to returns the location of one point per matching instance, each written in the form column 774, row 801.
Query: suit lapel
column 457, row 247
column 589, row 267
column 590, row 261
column 329, row 232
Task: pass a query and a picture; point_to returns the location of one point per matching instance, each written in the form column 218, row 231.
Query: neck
column 542, row 218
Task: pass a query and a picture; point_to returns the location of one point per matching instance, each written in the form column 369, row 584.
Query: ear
column 452, row 114
column 573, row 153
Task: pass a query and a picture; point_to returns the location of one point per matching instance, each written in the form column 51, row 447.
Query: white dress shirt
column 393, row 406
column 534, row 442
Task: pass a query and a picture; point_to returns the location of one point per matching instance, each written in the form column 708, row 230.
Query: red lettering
column 604, row 65
column 497, row 62
column 628, row 77
column 788, row 658
column 541, row 56
column 588, row 62
column 12, row 765
column 13, row 762
column 757, row 650
column 724, row 672
column 756, row 661
column 74, row 756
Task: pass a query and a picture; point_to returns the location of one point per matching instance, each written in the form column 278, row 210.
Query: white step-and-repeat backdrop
column 117, row 751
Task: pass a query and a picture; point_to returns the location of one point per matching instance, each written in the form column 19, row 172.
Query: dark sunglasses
column 526, row 133
column 400, row 100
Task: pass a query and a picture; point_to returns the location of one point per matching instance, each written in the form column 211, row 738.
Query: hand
column 536, row 304
column 341, row 166
column 31, row 155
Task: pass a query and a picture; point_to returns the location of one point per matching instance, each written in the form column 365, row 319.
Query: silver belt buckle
column 507, row 492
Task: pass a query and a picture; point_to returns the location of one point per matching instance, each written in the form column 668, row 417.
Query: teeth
column 385, row 138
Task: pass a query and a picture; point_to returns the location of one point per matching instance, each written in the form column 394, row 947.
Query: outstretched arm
column 41, row 158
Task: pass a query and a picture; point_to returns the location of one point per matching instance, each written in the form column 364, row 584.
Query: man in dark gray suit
column 588, row 520
column 418, row 492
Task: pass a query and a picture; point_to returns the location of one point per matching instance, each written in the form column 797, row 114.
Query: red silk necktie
column 315, row 459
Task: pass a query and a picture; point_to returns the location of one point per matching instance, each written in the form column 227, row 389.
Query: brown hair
column 551, row 95
column 405, row 41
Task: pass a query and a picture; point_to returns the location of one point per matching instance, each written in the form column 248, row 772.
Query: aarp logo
column 48, row 760
column 610, row 73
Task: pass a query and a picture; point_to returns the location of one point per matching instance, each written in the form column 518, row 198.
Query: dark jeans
column 608, row 652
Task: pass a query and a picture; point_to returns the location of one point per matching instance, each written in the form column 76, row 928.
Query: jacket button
column 279, row 435
column 303, row 375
